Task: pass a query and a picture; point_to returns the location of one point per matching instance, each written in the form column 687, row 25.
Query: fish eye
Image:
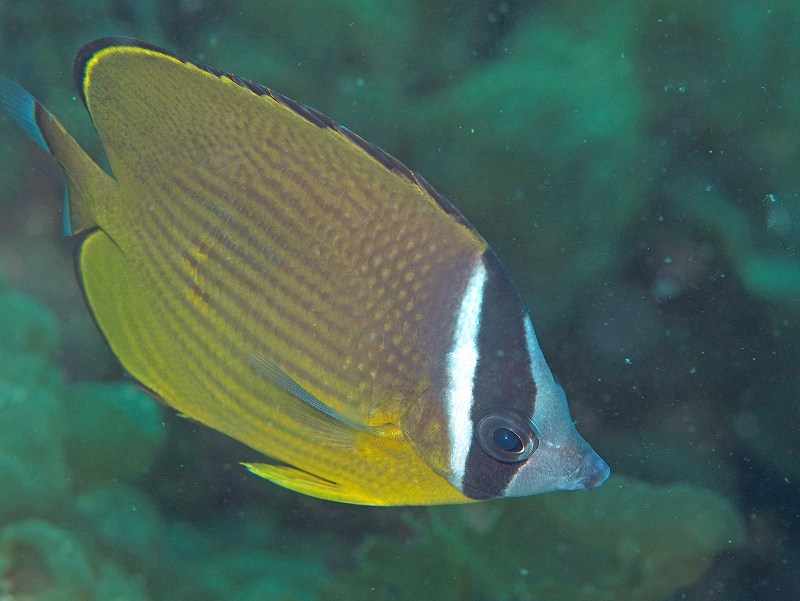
column 507, row 436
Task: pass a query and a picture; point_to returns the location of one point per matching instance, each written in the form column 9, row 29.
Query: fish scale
column 385, row 289
column 271, row 286
column 161, row 243
column 206, row 373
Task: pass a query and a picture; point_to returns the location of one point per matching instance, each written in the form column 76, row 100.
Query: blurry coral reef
column 76, row 520
column 636, row 167
column 628, row 541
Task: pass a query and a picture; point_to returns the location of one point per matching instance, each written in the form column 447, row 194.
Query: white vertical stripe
column 462, row 362
column 539, row 369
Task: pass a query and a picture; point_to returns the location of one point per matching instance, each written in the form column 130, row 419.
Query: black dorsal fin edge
column 311, row 115
column 86, row 53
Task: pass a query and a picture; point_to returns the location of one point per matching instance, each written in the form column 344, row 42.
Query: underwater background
column 635, row 165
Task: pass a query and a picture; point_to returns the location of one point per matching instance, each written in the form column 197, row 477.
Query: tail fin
column 86, row 182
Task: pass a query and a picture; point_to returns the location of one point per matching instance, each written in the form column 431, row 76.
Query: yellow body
column 233, row 225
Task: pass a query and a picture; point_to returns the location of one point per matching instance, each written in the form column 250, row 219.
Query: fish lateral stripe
column 217, row 390
column 173, row 217
column 195, row 344
column 222, row 312
column 210, row 381
column 243, row 279
column 206, row 386
column 462, row 361
column 168, row 269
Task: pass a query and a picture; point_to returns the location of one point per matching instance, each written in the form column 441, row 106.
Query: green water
column 636, row 166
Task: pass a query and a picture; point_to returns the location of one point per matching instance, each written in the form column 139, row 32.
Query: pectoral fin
column 331, row 428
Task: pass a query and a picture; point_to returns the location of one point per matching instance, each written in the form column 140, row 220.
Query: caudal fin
column 86, row 181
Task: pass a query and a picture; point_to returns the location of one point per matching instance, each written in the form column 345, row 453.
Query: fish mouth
column 590, row 474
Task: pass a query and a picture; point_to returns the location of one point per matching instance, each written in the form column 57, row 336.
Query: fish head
column 561, row 458
column 523, row 439
column 531, row 455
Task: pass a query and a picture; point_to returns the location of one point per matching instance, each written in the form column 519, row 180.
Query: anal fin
column 306, row 483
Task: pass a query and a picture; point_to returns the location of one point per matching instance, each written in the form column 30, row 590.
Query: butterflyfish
column 268, row 273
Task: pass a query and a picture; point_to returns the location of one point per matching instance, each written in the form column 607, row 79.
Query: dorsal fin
column 87, row 52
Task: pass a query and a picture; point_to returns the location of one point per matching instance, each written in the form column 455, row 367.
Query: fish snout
column 591, row 473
